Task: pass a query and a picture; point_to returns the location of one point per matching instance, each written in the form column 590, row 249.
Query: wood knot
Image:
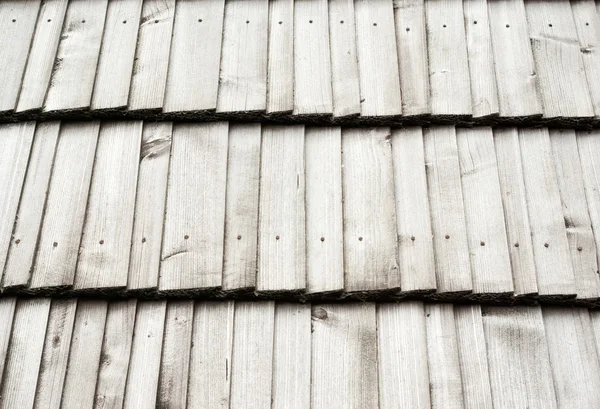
column 320, row 313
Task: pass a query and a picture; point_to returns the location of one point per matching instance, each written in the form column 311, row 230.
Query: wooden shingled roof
column 305, row 204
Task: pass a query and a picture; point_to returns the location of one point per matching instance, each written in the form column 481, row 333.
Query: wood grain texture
column 193, row 77
column 241, row 213
column 340, row 333
column 192, row 252
column 402, row 353
column 74, row 68
column 7, row 312
column 324, row 219
column 150, row 202
column 595, row 323
column 377, row 58
column 453, row 267
column 280, row 65
column 106, row 240
column 415, row 239
column 281, row 225
column 151, row 62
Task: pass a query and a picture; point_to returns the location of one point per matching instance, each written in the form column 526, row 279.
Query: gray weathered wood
column 7, row 312
column 280, row 65
column 595, row 323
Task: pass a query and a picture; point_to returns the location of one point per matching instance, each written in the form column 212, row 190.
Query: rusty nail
column 579, row 249
column 447, row 236
column 546, row 245
column 239, row 237
column 101, row 241
column 276, row 237
column 17, row 241
column 186, row 237
column 482, row 243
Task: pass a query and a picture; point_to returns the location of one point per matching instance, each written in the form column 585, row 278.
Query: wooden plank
column 210, row 359
column 144, row 364
column 74, row 68
column 473, row 356
column 18, row 25
column 344, row 356
column 7, row 312
column 548, row 234
column 324, row 219
column 402, row 356
column 243, row 86
column 280, row 64
column 193, row 78
column 486, row 231
column 115, row 64
column 519, row 364
column 150, row 202
column 453, row 268
column 252, row 355
column 150, row 65
column 84, row 358
column 53, row 366
column 573, row 357
column 370, row 241
column 175, row 362
column 515, row 69
column 587, row 23
column 60, row 235
column 484, row 91
column 15, row 147
column 516, row 216
column 377, row 58
column 192, row 252
column 291, row 357
column 413, row 221
column 557, row 54
column 582, row 246
column 344, row 63
column 312, row 61
column 116, row 349
column 448, row 61
column 281, row 225
column 595, row 323
column 241, row 214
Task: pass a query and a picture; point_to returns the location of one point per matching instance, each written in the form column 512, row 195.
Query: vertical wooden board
column 556, row 50
column 450, row 243
column 192, row 250
column 175, row 362
column 252, row 355
column 573, row 357
column 281, row 224
column 243, row 78
column 377, row 58
column 116, row 350
column 31, row 206
column 344, row 356
column 484, row 92
column 516, row 216
column 144, row 364
column 280, row 65
column 291, row 357
column 150, row 202
column 548, row 233
column 415, row 239
column 473, row 357
column 74, row 68
column 518, row 358
column 115, row 64
column 210, row 359
column 370, row 240
column 241, row 213
column 60, row 235
column 25, row 353
column 486, row 231
column 448, row 62
column 193, row 78
column 17, row 25
column 151, row 62
column 106, row 241
column 344, row 63
column 515, row 69
column 324, row 219
column 582, row 246
column 7, row 312
column 84, row 358
column 53, row 366
column 595, row 323
column 41, row 55
column 402, row 353
column 411, row 35
column 312, row 59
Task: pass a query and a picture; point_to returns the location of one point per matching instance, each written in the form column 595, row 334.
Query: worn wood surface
column 7, row 312
column 587, row 23
column 280, row 65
